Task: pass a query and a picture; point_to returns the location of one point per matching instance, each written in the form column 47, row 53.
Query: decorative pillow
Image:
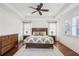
column 35, row 33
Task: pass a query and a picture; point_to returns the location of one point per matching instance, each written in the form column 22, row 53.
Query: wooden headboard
column 40, row 30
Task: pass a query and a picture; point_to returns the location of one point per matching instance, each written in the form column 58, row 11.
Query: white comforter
column 39, row 39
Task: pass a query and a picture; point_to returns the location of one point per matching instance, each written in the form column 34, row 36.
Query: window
column 75, row 26
column 52, row 28
column 68, row 27
column 27, row 28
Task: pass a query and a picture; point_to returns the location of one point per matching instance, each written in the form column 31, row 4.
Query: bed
column 39, row 42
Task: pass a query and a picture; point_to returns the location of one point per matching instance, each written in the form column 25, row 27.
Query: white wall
column 9, row 22
column 39, row 22
column 70, row 41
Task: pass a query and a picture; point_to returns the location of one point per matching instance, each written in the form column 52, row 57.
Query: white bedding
column 39, row 39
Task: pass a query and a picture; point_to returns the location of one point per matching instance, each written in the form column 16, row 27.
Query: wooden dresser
column 8, row 42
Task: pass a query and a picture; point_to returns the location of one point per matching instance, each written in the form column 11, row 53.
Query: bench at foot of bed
column 38, row 45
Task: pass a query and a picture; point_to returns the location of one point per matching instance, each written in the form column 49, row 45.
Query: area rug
column 38, row 52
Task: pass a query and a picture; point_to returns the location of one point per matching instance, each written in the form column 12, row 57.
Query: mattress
column 39, row 39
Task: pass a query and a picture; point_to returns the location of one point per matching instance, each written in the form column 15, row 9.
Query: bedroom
column 18, row 22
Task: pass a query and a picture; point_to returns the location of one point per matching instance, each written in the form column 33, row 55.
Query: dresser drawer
column 6, row 42
column 4, row 38
column 13, row 38
column 6, row 48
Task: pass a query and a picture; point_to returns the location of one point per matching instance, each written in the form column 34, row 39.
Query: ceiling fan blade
column 32, row 7
column 34, row 12
column 40, row 13
column 40, row 6
column 46, row 10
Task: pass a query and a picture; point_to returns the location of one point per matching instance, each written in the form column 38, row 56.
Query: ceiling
column 55, row 9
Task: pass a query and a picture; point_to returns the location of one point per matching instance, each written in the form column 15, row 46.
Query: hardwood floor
column 65, row 50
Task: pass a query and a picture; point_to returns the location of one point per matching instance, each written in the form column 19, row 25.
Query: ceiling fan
column 39, row 9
